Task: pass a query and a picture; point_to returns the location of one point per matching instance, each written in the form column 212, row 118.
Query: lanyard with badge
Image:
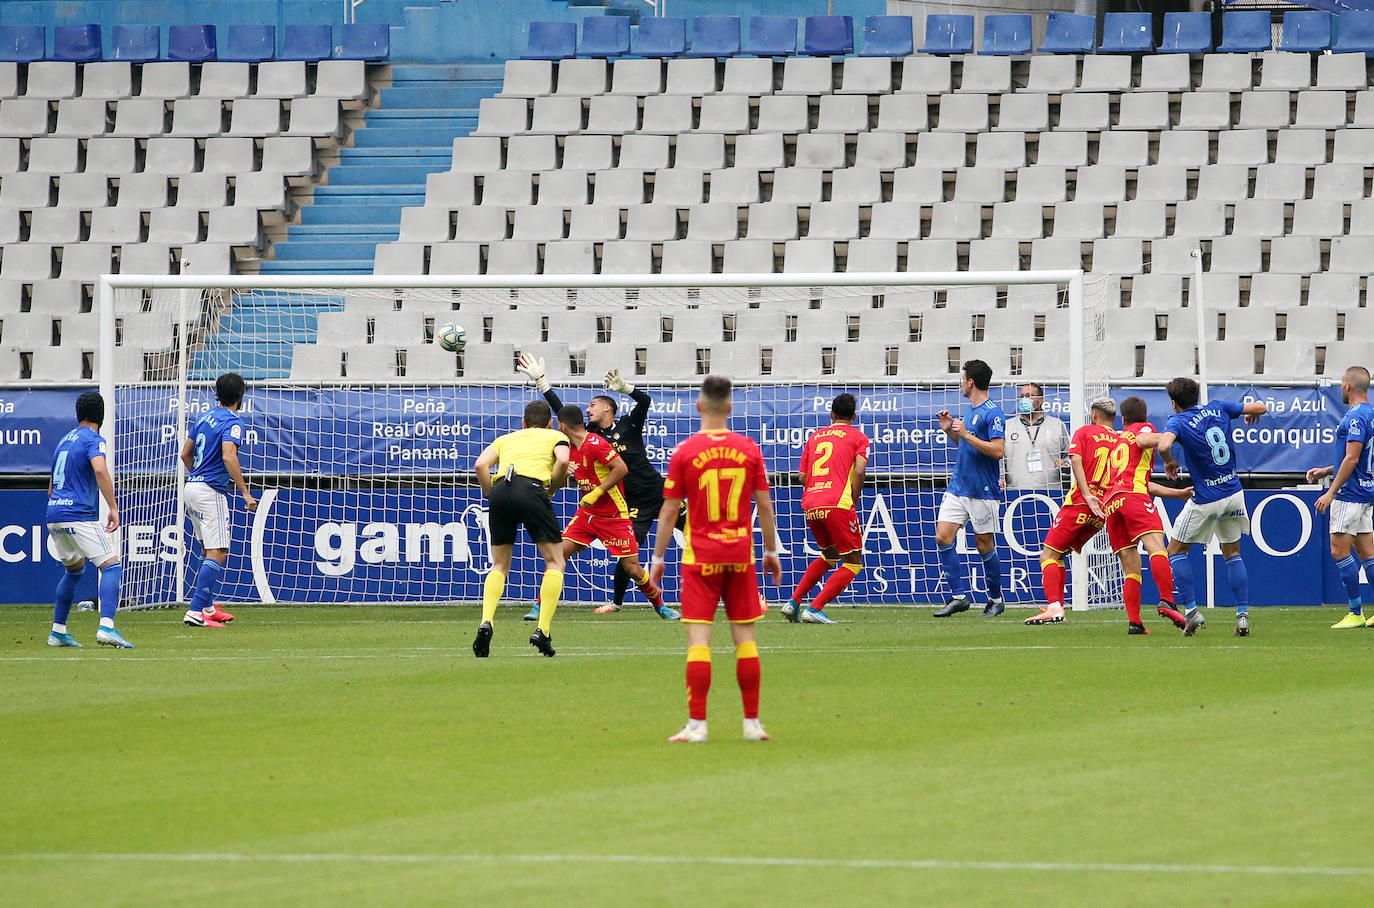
column 1033, row 462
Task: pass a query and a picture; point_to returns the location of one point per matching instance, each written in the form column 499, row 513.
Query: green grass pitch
column 333, row 756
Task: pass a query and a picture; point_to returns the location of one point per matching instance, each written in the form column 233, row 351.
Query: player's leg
column 741, row 596
column 640, row 577
column 642, row 517
column 700, row 594
column 1162, row 571
column 847, row 542
column 1189, row 527
column 550, row 591
column 63, row 540
column 830, row 555
column 983, row 514
column 1232, row 522
column 1052, row 576
column 1342, row 545
column 1364, row 546
column 111, row 572
column 949, row 522
column 493, row 586
column 1130, row 588
column 209, row 513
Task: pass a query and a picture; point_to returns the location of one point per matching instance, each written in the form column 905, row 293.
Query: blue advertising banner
column 31, row 424
column 415, row 544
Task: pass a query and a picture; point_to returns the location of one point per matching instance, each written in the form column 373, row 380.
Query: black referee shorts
column 521, row 501
column 645, row 515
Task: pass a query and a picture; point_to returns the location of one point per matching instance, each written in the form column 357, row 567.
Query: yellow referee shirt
column 530, row 451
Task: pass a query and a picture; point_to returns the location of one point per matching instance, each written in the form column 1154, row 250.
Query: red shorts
column 1073, row 526
column 617, row 534
column 706, row 585
column 1129, row 517
column 836, row 526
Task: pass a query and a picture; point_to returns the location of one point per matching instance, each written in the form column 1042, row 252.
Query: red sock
column 747, row 674
column 1052, row 579
column 698, row 680
column 1163, row 576
column 814, row 572
column 835, row 585
column 1130, row 590
column 650, row 591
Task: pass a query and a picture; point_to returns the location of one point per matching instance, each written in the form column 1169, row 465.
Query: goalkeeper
column 643, row 484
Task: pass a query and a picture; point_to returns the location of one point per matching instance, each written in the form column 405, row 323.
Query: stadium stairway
column 395, row 146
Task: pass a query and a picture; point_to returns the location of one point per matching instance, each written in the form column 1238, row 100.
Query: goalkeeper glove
column 592, row 497
column 616, row 383
column 533, row 369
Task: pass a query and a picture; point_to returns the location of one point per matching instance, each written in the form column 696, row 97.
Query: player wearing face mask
column 1036, row 445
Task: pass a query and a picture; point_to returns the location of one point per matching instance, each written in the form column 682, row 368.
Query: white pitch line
column 681, row 860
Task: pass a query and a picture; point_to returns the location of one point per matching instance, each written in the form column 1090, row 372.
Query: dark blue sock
column 66, row 592
column 992, row 573
column 1350, row 576
column 109, row 590
column 952, row 570
column 1183, row 580
column 1240, row 583
column 207, row 584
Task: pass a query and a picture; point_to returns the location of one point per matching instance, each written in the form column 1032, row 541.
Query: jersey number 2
column 710, row 481
column 824, row 451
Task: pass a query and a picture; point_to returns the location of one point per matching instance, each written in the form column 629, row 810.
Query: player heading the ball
column 533, row 465
column 80, row 469
column 643, row 484
column 718, row 472
column 832, row 470
column 211, row 456
column 974, row 492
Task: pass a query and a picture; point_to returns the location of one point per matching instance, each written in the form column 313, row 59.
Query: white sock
column 107, row 623
column 59, row 628
column 694, row 724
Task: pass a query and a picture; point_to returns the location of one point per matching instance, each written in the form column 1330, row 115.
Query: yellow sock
column 749, row 649
column 550, row 589
column 492, row 588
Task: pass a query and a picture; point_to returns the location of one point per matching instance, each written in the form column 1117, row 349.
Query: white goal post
column 162, row 337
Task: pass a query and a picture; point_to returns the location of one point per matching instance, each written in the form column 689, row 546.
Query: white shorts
column 981, row 512
column 1352, row 518
column 75, row 540
column 1226, row 519
column 209, row 512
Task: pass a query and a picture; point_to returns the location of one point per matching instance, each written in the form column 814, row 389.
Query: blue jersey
column 208, row 435
column 977, row 475
column 1202, row 431
column 74, row 492
column 1356, row 426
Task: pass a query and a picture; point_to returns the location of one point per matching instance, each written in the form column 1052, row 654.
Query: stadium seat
column 307, row 43
column 1226, row 72
column 1165, row 72
column 141, row 190
column 604, row 36
column 1127, row 33
column 1319, row 110
column 1006, row 34
column 715, row 222
column 1237, row 146
column 1051, row 74
column 922, row 185
column 866, row 76
column 1105, row 73
column 1306, row 31
column 173, row 226
column 803, row 186
column 1045, row 184
column 986, row 75
column 1024, row 112
column 823, row 150
column 738, row 185
column 826, row 36
column 771, row 36
column 749, row 257
column 661, row 36
column 1353, row 32
column 364, row 41
column 668, row 115
column 715, row 36
column 165, row 79
column 776, row 221
column 627, row 258
column 26, row 191
column 880, row 149
column 1320, row 218
column 202, row 191
column 1208, row 110
column 1085, row 111
column 110, row 80
column 239, row 228
column 1068, row 33
column 806, row 76
column 191, row 43
column 525, row 79
column 782, row 113
column 201, row 117
column 903, row 113
column 963, row 113
column 135, row 43
column 1246, row 32
column 1063, row 149
column 82, row 117
column 927, row 75
column 842, row 113
column 557, row 115
column 76, row 43
column 51, row 79
column 316, row 117
column 723, row 114
column 1144, row 110
column 110, row 225
column 1186, row 33
column 55, row 225
column 54, row 155
column 551, row 41
column 250, row 43
column 455, row 258
column 887, row 36
column 582, row 78
column 22, row 43
column 688, row 76
column 948, row 34
column 1285, row 71
column 87, row 190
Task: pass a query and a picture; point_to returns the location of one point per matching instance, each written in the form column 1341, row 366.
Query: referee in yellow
column 533, row 465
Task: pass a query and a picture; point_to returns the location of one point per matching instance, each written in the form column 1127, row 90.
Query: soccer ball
column 451, row 337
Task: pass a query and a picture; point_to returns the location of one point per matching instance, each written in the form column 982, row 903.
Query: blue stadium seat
column 192, row 43
column 888, row 36
column 714, row 36
column 135, row 43
column 76, row 43
column 250, row 43
column 21, row 43
column 1187, row 33
column 1246, row 32
column 552, row 40
column 1353, row 32
column 1306, row 30
column 1127, row 33
column 771, row 36
column 1068, row 33
column 365, row 41
column 1005, row 35
column 828, row 36
column 662, row 36
column 948, row 35
column 604, row 36
column 311, row 43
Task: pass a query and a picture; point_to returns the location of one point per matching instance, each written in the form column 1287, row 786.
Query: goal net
column 362, row 431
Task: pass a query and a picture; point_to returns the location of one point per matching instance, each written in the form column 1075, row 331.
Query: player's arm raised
column 1353, row 451
column 482, row 467
column 1080, row 478
column 230, row 452
column 667, row 522
column 532, row 367
column 616, row 383
column 1252, row 411
column 105, row 482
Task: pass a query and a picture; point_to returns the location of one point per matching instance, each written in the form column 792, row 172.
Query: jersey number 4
column 710, row 481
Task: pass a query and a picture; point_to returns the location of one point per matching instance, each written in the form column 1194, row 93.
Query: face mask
column 1024, row 405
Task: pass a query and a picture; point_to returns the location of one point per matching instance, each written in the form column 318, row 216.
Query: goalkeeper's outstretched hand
column 617, row 383
column 533, row 368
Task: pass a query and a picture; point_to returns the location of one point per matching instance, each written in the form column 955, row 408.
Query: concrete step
column 392, row 136
column 451, row 95
column 356, row 266
column 383, row 175
column 447, row 72
column 383, row 194
column 384, row 233
column 361, row 214
column 331, row 250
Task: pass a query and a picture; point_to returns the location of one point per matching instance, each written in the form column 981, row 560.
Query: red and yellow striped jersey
column 827, row 466
column 1134, row 475
column 1103, row 452
column 591, row 464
